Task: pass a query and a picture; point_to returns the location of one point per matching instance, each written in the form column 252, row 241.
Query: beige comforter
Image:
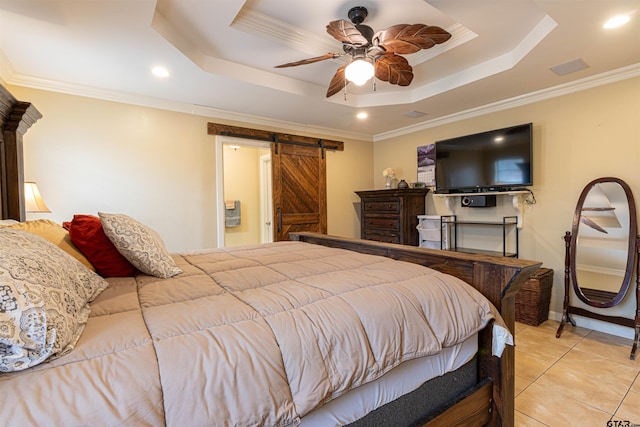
column 247, row 336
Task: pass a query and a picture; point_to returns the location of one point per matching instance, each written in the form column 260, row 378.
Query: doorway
column 243, row 191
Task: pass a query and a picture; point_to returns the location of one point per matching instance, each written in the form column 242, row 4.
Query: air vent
column 569, row 67
column 414, row 114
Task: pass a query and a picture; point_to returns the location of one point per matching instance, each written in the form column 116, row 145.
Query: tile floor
column 584, row 378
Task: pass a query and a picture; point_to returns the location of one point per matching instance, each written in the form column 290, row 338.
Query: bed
column 269, row 334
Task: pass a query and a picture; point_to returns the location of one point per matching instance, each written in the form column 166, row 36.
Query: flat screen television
column 497, row 160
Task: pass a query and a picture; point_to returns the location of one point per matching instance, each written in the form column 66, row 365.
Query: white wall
column 242, row 183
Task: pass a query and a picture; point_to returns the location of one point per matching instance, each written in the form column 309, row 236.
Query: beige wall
column 157, row 166
column 577, row 138
column 242, row 183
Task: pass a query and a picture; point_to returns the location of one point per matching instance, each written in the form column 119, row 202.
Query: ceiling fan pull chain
column 374, row 74
column 345, row 88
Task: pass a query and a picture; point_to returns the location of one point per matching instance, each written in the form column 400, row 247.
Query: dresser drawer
column 391, row 215
column 381, row 236
column 391, row 206
column 385, row 222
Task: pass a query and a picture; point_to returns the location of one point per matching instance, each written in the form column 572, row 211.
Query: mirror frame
column 631, row 252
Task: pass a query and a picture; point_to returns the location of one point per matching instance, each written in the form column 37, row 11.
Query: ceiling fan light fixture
column 359, row 71
column 372, row 53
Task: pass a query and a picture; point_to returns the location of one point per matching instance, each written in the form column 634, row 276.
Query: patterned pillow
column 142, row 246
column 44, row 296
column 57, row 235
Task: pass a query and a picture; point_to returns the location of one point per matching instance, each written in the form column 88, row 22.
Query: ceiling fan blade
column 329, row 55
column 346, row 32
column 338, row 82
column 406, row 39
column 394, row 69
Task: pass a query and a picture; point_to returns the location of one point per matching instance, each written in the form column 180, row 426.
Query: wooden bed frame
column 16, row 117
column 490, row 402
column 499, row 279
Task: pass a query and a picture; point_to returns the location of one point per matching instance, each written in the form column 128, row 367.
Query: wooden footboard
column 497, row 278
column 472, row 409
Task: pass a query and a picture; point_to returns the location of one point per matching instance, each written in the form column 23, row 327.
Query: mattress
column 260, row 335
column 404, row 379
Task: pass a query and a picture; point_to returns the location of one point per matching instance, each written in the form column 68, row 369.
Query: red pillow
column 87, row 235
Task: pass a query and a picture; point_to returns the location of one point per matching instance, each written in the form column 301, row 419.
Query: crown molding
column 305, row 129
column 261, row 25
column 619, row 74
column 8, row 75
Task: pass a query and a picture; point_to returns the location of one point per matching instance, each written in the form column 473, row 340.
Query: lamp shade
column 32, row 199
column 359, row 71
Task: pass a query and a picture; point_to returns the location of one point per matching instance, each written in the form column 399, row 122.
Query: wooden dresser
column 391, row 215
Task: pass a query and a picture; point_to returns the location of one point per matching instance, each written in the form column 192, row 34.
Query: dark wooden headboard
column 16, row 117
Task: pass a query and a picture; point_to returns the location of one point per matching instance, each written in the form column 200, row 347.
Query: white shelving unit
column 432, row 233
column 517, row 199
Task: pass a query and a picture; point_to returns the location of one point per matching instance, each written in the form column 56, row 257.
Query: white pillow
column 139, row 244
column 44, row 299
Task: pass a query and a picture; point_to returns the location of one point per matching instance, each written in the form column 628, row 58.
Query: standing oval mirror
column 603, row 235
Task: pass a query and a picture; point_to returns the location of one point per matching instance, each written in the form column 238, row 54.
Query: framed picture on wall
column 427, row 164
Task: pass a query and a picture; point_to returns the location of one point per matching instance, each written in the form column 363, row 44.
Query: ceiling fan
column 375, row 53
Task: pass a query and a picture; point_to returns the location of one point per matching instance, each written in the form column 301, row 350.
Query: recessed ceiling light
column 362, row 115
column 160, row 71
column 617, row 21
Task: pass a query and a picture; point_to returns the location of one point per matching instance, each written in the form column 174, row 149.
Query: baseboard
column 597, row 325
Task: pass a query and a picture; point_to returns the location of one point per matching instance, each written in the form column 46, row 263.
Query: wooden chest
column 532, row 300
column 391, row 216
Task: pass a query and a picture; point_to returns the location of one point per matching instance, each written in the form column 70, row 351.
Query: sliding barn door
column 299, row 189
